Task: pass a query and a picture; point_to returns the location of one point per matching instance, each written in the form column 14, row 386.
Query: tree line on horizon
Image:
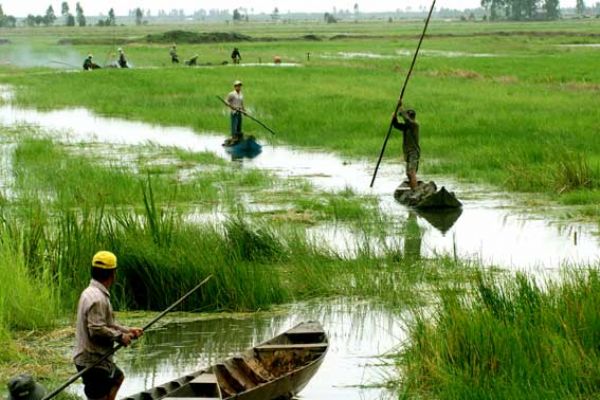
column 516, row 10
column 79, row 19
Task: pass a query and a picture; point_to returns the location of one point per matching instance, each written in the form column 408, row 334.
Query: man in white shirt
column 235, row 100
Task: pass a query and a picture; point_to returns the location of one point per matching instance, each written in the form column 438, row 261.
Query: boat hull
column 426, row 197
column 276, row 369
column 248, row 147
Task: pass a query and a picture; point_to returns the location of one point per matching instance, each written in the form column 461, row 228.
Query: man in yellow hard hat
column 97, row 331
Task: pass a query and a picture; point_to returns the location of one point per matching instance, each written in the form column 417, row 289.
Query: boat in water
column 276, row 369
column 426, row 196
column 246, row 147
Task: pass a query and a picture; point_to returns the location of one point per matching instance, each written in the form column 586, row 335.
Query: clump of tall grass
column 510, row 338
column 26, row 301
column 575, row 172
column 252, row 243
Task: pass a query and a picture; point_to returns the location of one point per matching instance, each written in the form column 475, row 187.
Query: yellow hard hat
column 105, row 260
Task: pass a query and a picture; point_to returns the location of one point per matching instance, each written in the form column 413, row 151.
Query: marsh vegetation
column 505, row 105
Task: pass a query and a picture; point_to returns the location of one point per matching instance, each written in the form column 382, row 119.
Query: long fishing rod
column 402, row 92
column 247, row 115
column 117, row 347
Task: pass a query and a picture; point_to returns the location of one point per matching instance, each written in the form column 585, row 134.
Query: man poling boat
column 105, row 260
column 413, row 192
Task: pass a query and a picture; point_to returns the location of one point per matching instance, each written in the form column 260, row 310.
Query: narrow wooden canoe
column 426, row 197
column 248, row 147
column 276, row 369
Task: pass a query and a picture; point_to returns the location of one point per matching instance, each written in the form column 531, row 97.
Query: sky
column 21, row 8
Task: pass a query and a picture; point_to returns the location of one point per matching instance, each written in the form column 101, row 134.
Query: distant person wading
column 122, row 60
column 236, row 57
column 173, row 54
column 235, row 100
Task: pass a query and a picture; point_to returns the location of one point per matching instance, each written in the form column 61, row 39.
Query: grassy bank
column 510, row 339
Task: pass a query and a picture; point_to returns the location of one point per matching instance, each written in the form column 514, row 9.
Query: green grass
column 503, row 120
column 509, row 338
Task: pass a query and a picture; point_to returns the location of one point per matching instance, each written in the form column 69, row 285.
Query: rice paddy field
column 130, row 160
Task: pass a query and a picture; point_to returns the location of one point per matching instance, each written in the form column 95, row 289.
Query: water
column 492, row 228
column 358, row 333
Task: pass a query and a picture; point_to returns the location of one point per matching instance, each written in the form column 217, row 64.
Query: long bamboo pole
column 402, row 92
column 247, row 115
column 117, row 347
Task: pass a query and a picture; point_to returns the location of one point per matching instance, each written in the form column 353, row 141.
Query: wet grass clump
column 509, row 338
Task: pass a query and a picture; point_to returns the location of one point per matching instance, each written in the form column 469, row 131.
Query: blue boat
column 247, row 147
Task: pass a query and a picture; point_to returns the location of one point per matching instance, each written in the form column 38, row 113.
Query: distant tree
column 7, row 21
column 80, row 17
column 111, row 21
column 275, row 14
column 30, row 20
column 493, row 7
column 329, row 18
column 70, row 20
column 50, row 17
column 39, row 20
column 580, row 7
column 530, row 8
column 64, row 9
column 356, row 12
column 551, row 7
column 139, row 15
column 237, row 15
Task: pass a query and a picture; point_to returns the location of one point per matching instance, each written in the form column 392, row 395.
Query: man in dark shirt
column 236, row 56
column 88, row 64
column 410, row 142
column 173, row 54
column 122, row 60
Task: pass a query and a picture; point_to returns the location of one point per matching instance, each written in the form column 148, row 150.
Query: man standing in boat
column 410, row 142
column 97, row 331
column 235, row 101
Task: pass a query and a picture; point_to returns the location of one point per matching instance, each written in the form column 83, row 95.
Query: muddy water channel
column 493, row 227
column 358, row 333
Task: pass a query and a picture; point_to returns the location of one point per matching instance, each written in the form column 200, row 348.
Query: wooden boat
column 426, row 196
column 276, row 369
column 247, row 147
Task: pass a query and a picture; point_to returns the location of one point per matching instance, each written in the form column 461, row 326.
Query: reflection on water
column 358, row 333
column 490, row 228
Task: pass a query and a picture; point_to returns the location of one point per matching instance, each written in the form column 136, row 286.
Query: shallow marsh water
column 359, row 332
column 492, row 228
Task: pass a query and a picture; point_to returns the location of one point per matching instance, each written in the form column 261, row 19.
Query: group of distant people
column 121, row 62
column 89, row 64
column 236, row 57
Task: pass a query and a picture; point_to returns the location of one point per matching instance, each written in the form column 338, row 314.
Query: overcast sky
column 21, row 8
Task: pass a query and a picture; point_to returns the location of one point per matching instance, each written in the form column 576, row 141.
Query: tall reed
column 510, row 339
